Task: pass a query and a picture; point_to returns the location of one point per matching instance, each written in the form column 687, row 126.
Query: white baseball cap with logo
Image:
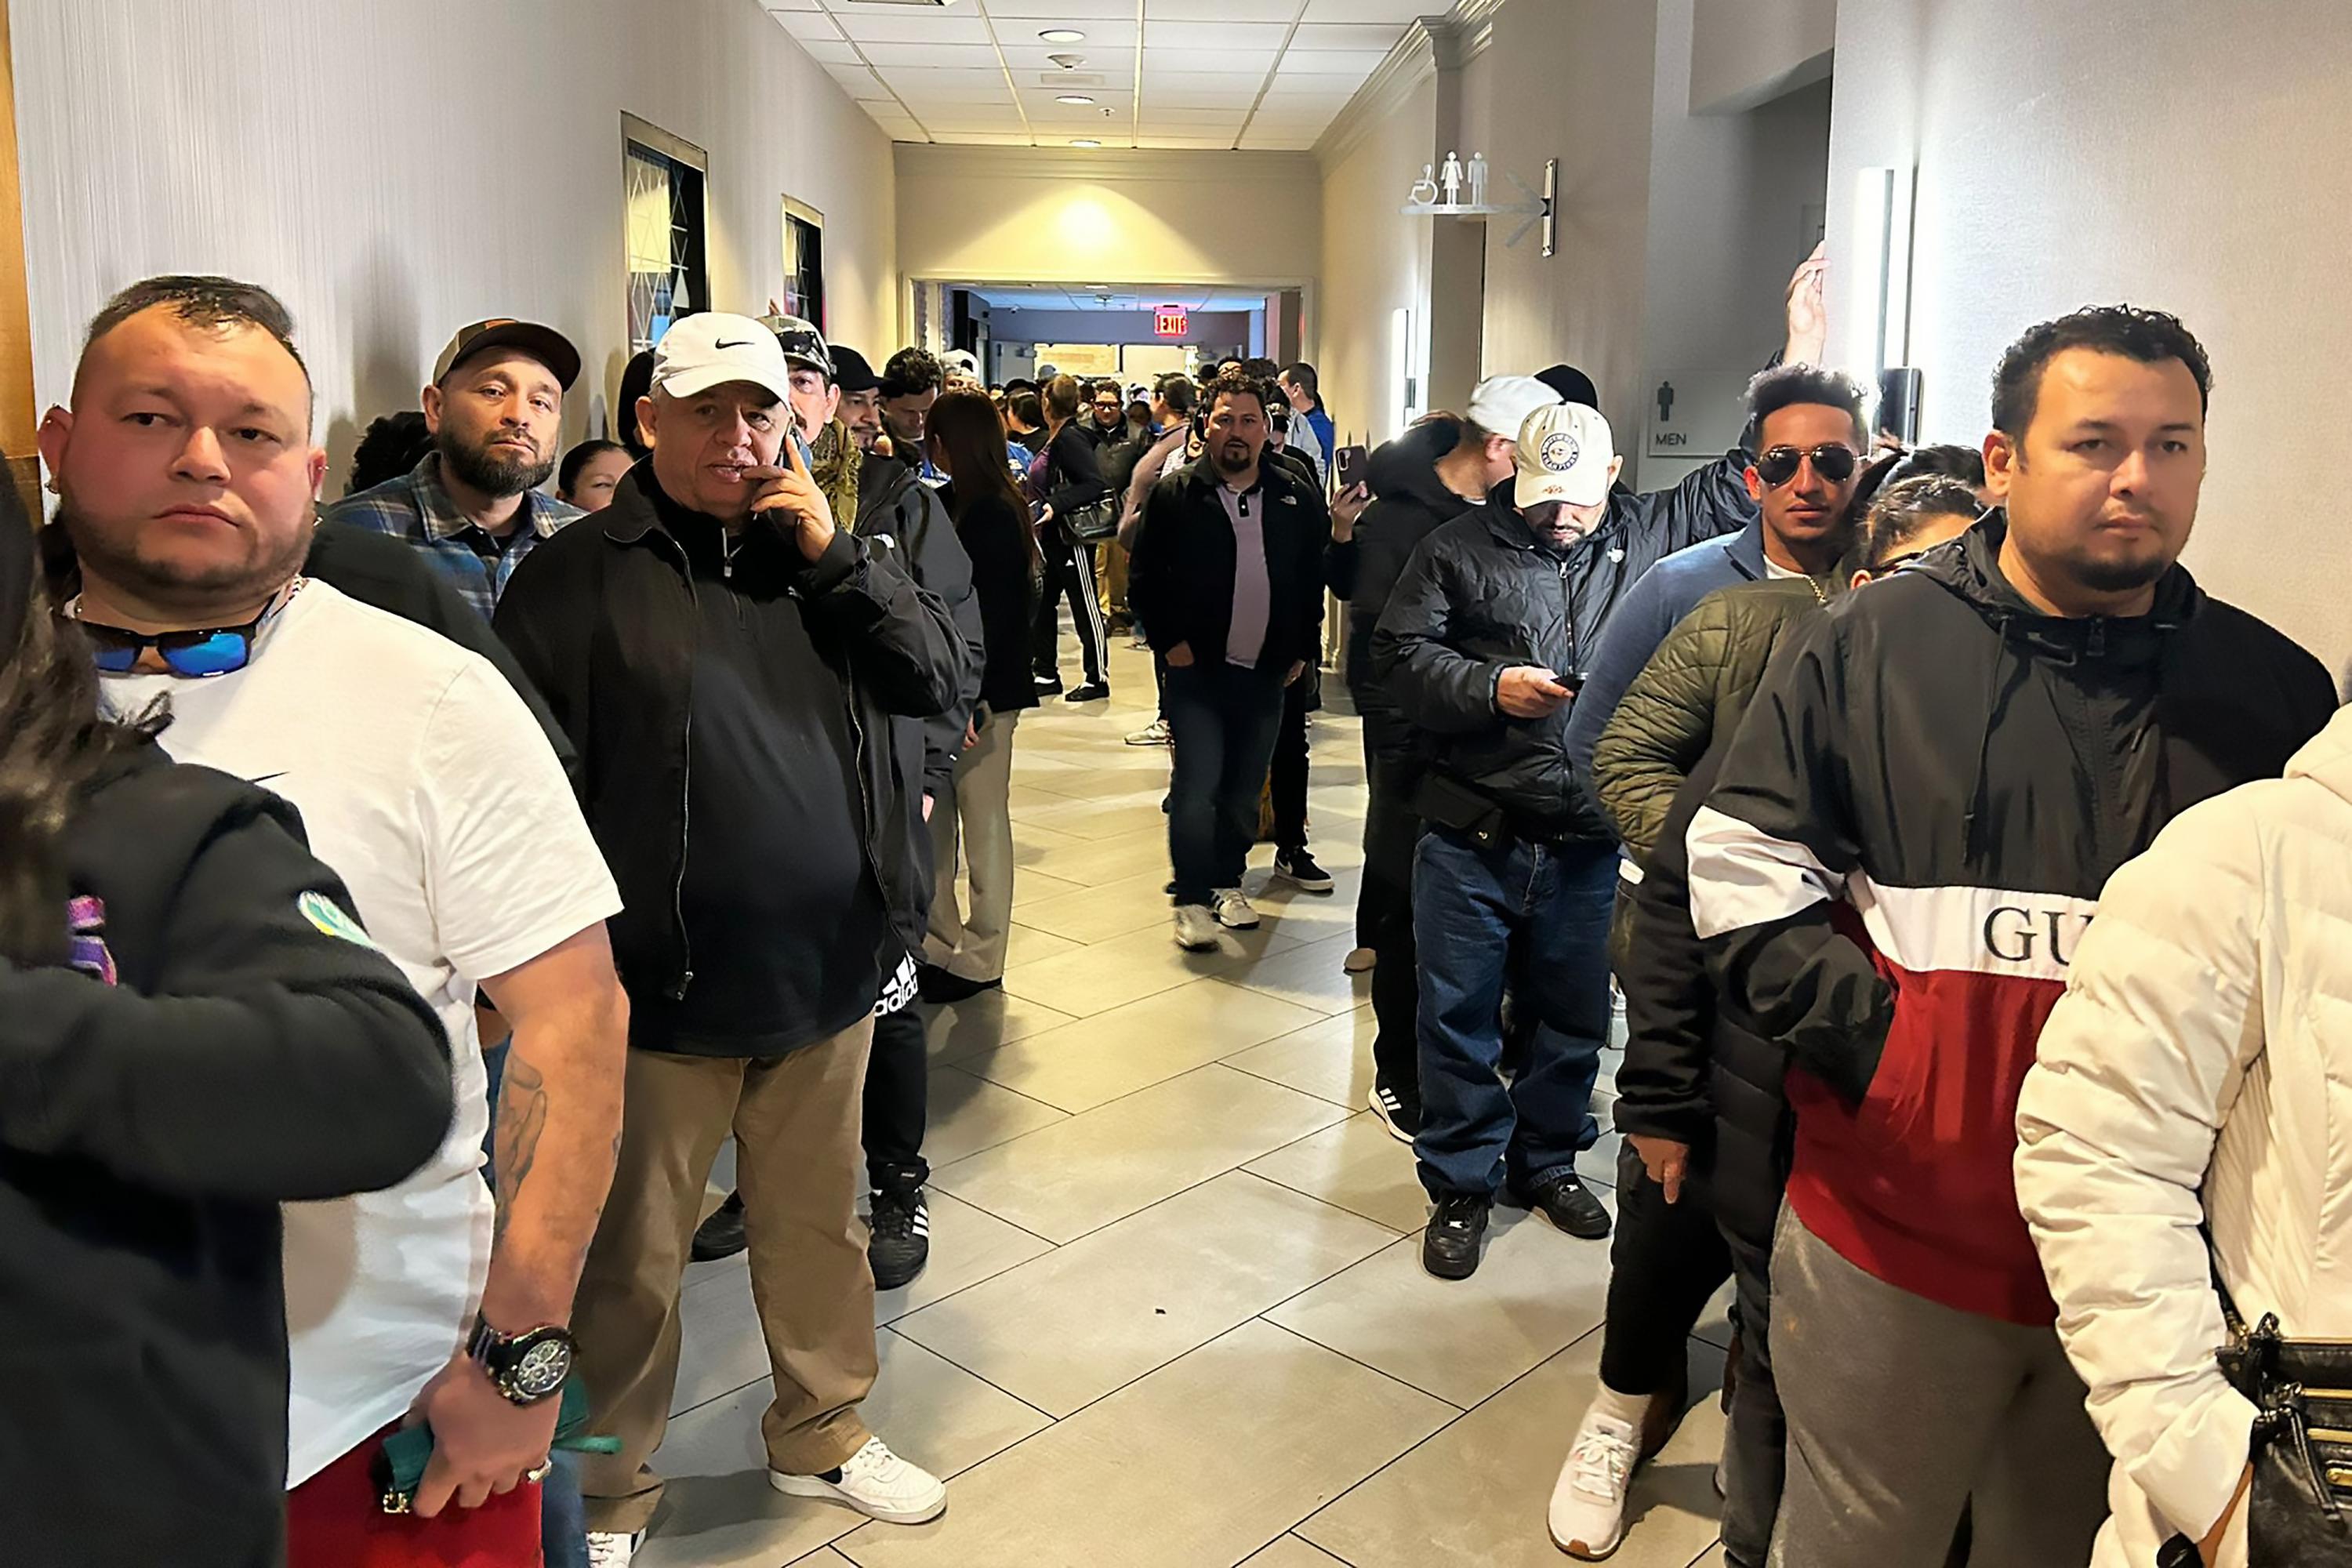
column 700, row 353
column 1565, row 454
column 1501, row 404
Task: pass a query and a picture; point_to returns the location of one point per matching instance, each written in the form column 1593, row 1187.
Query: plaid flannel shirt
column 416, row 508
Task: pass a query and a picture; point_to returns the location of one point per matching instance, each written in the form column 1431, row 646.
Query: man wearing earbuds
column 728, row 664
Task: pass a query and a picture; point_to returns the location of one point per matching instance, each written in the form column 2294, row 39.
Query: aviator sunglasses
column 1833, row 461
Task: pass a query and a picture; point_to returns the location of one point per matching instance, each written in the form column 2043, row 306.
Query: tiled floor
column 1175, row 1315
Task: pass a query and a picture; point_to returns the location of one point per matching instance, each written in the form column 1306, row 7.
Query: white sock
column 1627, row 1407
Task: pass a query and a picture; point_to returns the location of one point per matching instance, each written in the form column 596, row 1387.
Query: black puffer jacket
column 1480, row 597
column 1409, row 503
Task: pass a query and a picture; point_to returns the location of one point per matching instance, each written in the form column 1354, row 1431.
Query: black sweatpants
column 1287, row 779
column 1384, row 901
column 1756, row 1438
column 1069, row 570
column 898, row 1102
column 1664, row 1262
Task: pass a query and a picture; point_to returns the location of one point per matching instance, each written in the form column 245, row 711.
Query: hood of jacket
column 1406, row 468
column 2327, row 759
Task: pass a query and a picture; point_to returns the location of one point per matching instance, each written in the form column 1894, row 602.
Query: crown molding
column 1128, row 165
column 1433, row 43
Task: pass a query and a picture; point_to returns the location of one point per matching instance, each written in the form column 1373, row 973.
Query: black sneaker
column 1564, row 1201
column 901, row 1240
column 1449, row 1247
column 1400, row 1115
column 1092, row 691
column 934, row 984
column 721, row 1236
column 1297, row 866
column 1048, row 684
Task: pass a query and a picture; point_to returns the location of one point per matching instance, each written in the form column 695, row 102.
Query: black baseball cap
column 851, row 373
column 545, row 345
column 1572, row 384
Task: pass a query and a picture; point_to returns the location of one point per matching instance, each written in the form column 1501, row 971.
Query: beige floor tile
column 1313, row 975
column 1330, row 1060
column 967, row 1247
column 718, row 1508
column 1114, row 814
column 1029, row 885
column 1133, row 1296
column 1085, row 861
column 823, row 1557
column 1080, row 1065
column 1357, row 1166
column 1476, row 1491
column 1076, row 1175
column 1536, row 1291
column 968, row 1113
column 1309, row 917
column 984, row 1022
column 1116, row 908
column 1289, row 1551
column 1027, row 944
column 1128, row 968
column 1153, row 1477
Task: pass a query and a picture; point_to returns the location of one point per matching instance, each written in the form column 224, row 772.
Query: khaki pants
column 795, row 1120
column 1114, row 577
column 970, row 943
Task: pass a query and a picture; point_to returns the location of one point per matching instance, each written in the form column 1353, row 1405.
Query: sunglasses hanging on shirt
column 1833, row 461
column 197, row 655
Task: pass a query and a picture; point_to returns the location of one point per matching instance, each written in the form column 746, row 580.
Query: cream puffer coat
column 2200, row 1068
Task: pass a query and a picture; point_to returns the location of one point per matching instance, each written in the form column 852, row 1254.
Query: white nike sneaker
column 1234, row 910
column 1196, row 927
column 612, row 1549
column 874, row 1481
column 1587, row 1502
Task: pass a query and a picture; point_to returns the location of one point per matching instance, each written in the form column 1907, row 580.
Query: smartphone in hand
column 1352, row 464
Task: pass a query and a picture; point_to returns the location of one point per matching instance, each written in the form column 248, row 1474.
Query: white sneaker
column 1233, row 911
column 612, row 1549
column 1359, row 961
column 1587, row 1502
column 874, row 1481
column 1152, row 734
column 1196, row 927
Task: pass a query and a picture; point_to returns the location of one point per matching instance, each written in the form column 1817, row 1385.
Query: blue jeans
column 563, row 1516
column 1222, row 719
column 1536, row 917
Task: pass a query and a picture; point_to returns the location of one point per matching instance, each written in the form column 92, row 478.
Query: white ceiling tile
column 829, row 51
column 862, row 23
column 1352, row 65
column 1379, row 38
column 1398, row 12
column 1190, row 73
column 969, row 56
column 1185, row 143
column 1161, row 114
column 1101, row 37
column 1033, row 55
column 1045, row 13
column 1215, row 37
column 1208, row 10
column 807, row 24
column 793, row 4
column 948, row 79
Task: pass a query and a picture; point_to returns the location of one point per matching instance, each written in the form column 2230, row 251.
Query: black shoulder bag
column 2299, row 1509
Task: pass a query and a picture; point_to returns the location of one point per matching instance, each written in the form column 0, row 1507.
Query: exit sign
column 1169, row 322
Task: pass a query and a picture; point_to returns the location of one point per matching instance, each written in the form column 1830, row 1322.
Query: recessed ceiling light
column 1063, row 35
column 1084, row 141
column 1073, row 97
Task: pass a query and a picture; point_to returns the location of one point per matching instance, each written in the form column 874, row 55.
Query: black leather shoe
column 1092, row 691
column 900, row 1243
column 936, row 984
column 1449, row 1247
column 721, row 1236
column 1569, row 1206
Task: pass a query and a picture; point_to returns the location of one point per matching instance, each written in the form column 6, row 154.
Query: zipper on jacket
column 684, row 802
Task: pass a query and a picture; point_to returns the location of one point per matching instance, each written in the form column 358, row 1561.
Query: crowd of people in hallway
column 407, row 898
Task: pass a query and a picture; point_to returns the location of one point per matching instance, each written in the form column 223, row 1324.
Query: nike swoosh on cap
column 265, row 778
column 737, row 343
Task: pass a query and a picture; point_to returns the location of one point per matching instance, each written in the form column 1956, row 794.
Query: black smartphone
column 1898, row 402
column 1350, row 464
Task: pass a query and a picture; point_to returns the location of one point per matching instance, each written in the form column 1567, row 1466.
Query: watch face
column 542, row 1369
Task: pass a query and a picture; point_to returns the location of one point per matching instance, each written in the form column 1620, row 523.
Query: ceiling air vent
column 1061, row 79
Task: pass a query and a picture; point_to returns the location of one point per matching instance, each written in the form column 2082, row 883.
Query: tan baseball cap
column 1565, row 452
column 545, row 345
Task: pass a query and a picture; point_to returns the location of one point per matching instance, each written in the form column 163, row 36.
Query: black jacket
column 1004, row 579
column 1409, row 503
column 1180, row 579
column 1909, row 834
column 219, row 1051
column 1480, row 596
column 387, row 572
column 900, row 513
column 601, row 618
column 1073, row 476
column 1693, row 1071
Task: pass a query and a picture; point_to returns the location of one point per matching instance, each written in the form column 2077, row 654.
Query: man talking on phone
column 1513, row 877
column 727, row 663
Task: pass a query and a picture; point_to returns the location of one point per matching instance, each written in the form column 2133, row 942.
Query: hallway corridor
column 1175, row 1315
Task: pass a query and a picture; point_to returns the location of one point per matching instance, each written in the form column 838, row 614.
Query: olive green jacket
column 1700, row 680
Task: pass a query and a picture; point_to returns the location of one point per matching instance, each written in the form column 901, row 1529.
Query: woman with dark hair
column 193, row 1029
column 393, row 444
column 636, row 382
column 965, row 953
column 589, row 471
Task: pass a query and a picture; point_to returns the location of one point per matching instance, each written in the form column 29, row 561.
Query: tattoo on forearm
column 521, row 1118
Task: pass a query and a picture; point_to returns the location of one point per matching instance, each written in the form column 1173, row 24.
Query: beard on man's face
column 113, row 554
column 496, row 476
column 1230, row 457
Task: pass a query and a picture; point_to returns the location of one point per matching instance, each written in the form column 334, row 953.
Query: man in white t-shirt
column 187, row 473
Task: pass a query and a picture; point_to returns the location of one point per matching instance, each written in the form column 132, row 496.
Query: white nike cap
column 1501, row 404
column 1564, row 455
column 700, row 353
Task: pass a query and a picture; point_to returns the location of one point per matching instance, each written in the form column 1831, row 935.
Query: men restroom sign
column 1170, row 321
